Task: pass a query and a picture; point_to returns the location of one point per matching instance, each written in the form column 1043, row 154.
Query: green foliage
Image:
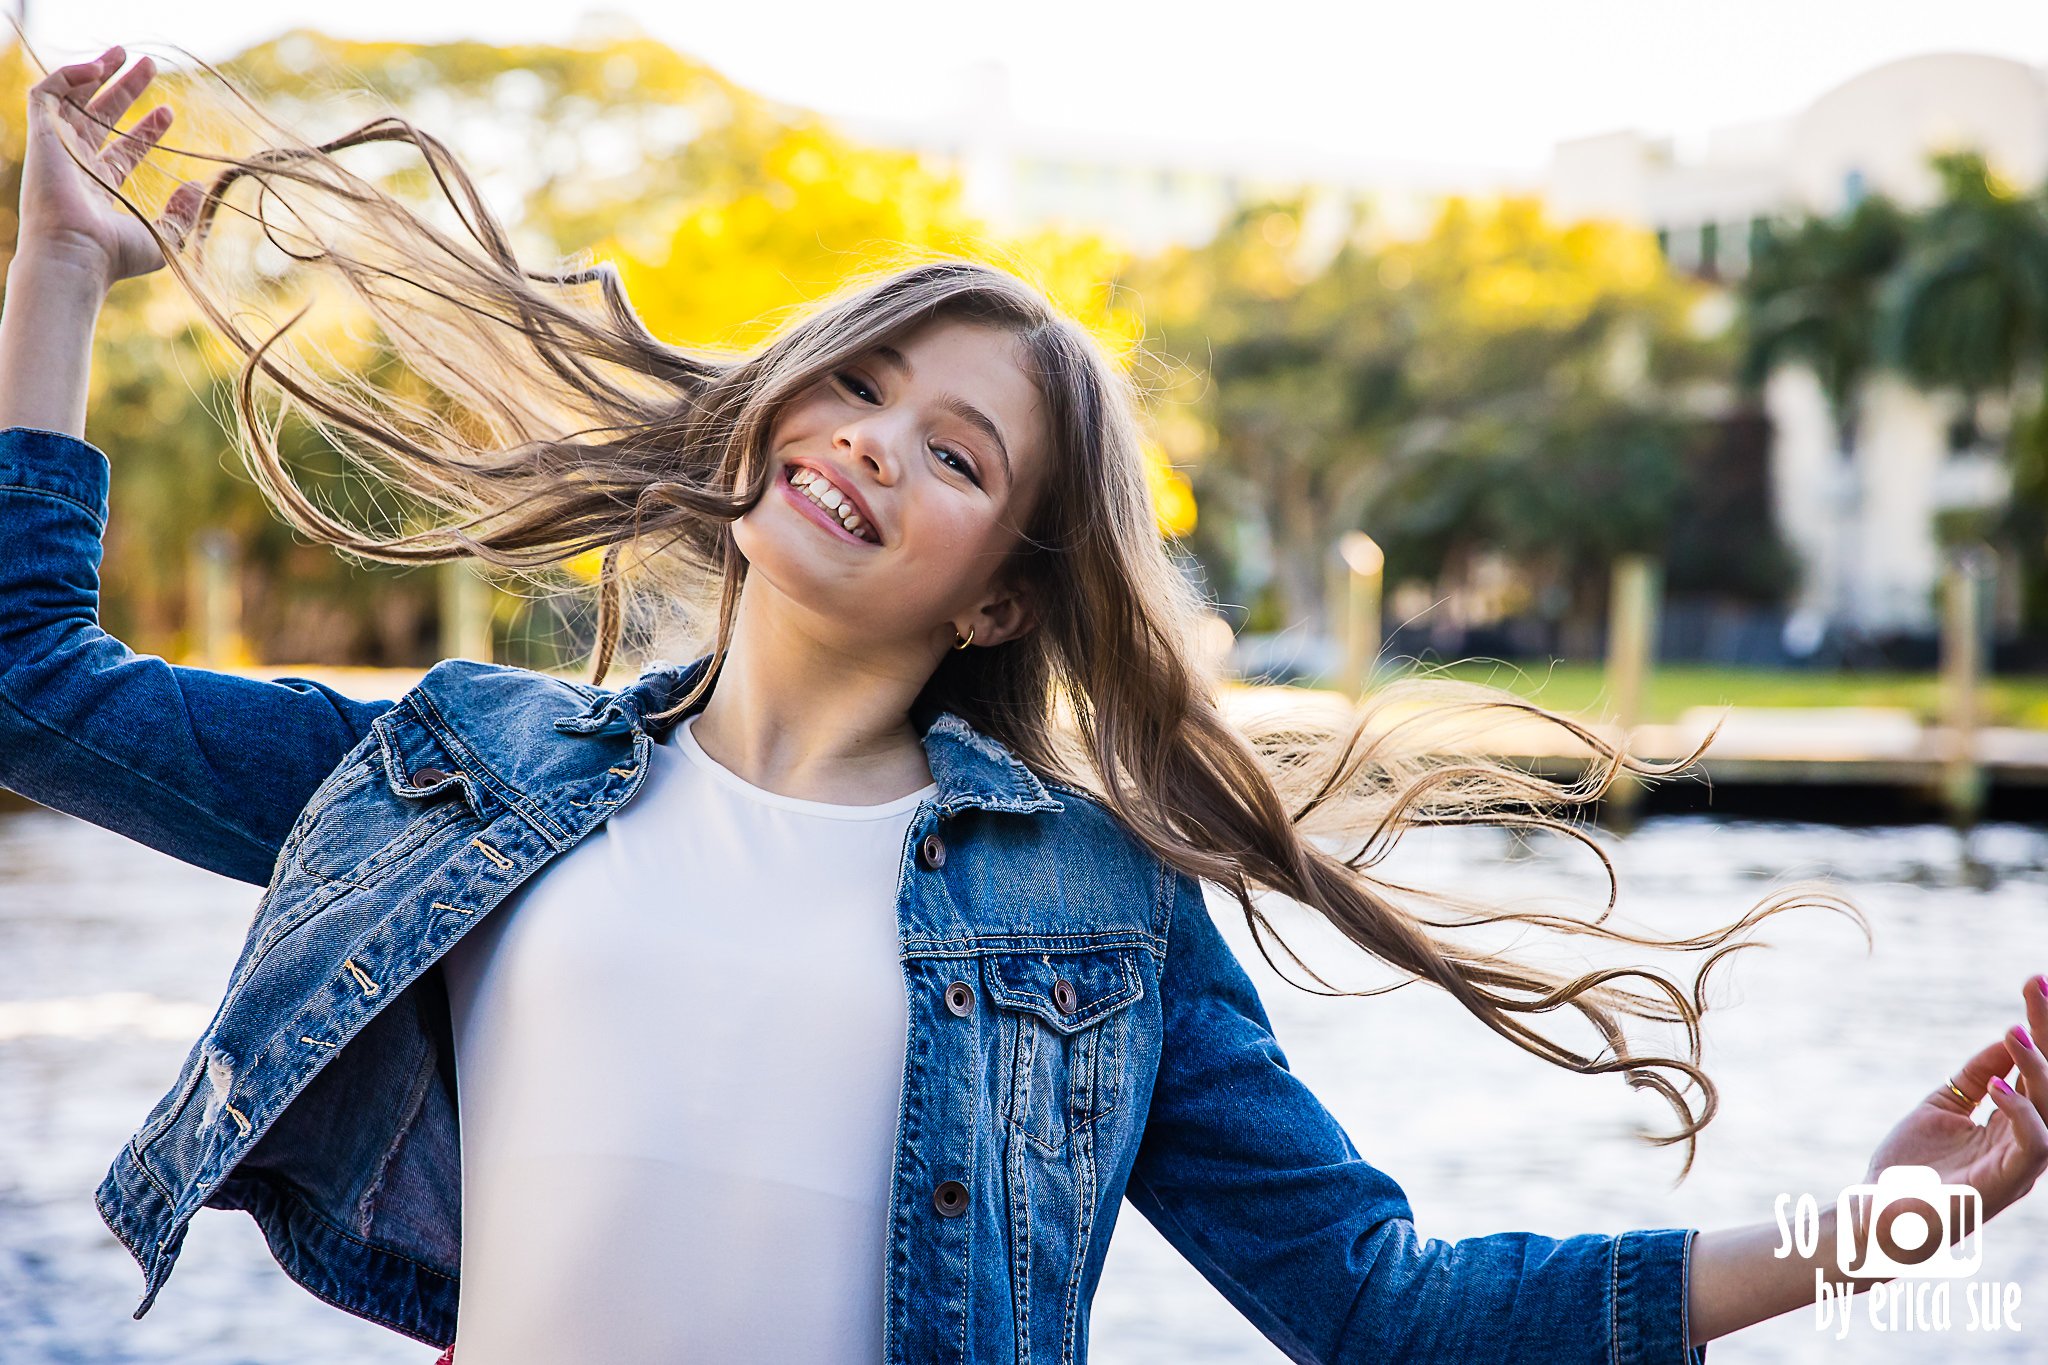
column 1500, row 383
column 2023, row 521
column 1525, row 489
column 1967, row 306
column 1811, row 296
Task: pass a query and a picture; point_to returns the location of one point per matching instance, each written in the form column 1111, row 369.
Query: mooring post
column 214, row 602
column 1631, row 640
column 1962, row 666
column 1364, row 565
column 465, row 613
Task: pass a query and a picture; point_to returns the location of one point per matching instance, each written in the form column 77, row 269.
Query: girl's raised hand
column 66, row 219
column 2003, row 1157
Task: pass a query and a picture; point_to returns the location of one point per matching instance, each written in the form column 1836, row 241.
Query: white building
column 1862, row 519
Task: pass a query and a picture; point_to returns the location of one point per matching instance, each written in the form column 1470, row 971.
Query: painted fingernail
column 2040, row 985
column 2020, row 1032
column 1999, row 1081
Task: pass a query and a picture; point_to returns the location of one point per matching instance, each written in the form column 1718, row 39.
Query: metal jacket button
column 931, row 851
column 1063, row 996
column 950, row 1198
column 427, row 777
column 960, row 999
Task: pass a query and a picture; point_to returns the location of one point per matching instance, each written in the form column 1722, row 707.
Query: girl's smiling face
column 941, row 439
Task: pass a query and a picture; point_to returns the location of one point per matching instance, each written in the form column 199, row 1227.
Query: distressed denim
column 1107, row 1046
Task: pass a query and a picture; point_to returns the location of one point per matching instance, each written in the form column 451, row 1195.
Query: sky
column 1480, row 85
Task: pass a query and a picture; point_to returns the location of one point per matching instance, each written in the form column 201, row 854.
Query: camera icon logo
column 1917, row 1227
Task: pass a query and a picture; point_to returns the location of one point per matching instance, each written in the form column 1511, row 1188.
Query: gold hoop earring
column 960, row 643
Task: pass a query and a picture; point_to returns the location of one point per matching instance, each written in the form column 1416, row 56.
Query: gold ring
column 1959, row 1093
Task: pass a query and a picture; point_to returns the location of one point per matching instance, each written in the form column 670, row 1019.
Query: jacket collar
column 969, row 767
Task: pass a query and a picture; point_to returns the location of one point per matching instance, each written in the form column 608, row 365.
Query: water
column 115, row 955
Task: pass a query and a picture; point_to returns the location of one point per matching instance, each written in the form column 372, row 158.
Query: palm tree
column 1968, row 306
column 1967, row 309
column 1811, row 297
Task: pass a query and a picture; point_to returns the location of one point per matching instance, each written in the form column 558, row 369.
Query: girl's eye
column 963, row 466
column 856, row 386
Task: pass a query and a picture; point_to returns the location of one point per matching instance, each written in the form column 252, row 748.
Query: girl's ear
column 1006, row 618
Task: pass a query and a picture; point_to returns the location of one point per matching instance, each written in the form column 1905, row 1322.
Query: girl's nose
column 873, row 447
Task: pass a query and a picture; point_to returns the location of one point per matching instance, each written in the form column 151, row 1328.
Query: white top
column 680, row 1051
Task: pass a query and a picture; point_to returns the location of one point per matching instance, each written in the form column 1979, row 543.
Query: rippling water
column 114, row 957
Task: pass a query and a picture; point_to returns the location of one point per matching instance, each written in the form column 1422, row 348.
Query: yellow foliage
column 731, row 272
column 1173, row 498
column 1502, row 266
column 586, row 567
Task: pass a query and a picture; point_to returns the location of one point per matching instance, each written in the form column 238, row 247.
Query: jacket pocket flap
column 1070, row 991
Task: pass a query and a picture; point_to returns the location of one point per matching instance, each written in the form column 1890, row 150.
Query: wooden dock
column 1820, row 762
column 1818, row 744
column 1823, row 762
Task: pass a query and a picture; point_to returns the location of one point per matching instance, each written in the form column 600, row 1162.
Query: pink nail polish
column 1999, row 1081
column 2020, row 1032
column 2040, row 985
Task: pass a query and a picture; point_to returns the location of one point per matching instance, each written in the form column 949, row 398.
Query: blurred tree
column 1480, row 387
column 1302, row 380
column 1811, row 297
column 2022, row 524
column 1966, row 306
column 1966, row 310
column 1562, row 494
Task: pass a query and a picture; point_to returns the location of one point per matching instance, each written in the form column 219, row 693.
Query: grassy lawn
column 1581, row 688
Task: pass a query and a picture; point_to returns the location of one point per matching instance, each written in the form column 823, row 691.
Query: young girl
column 823, row 998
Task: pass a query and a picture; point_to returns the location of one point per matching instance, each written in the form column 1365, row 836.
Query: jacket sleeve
column 210, row 768
column 1250, row 1178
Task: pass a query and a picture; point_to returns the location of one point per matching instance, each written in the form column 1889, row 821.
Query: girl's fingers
column 1974, row 1078
column 65, row 79
column 69, row 86
column 2025, row 1045
column 133, row 145
column 2034, row 994
column 107, row 107
column 2029, row 1129
column 181, row 211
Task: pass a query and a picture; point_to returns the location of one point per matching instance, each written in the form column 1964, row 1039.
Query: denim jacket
column 1079, row 1032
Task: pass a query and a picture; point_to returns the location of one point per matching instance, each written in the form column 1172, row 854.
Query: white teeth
column 819, row 489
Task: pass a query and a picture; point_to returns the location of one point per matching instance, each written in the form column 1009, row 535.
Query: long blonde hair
column 559, row 426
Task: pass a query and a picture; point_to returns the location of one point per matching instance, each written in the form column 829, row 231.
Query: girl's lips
column 819, row 514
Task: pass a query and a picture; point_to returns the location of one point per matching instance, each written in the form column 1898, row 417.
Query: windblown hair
column 558, row 425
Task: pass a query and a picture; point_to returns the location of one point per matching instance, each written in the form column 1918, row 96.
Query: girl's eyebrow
column 959, row 407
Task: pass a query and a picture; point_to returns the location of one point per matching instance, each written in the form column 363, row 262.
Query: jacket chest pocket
column 381, row 808
column 1065, row 1022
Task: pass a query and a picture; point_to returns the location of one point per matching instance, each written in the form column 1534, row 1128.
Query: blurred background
column 1664, row 364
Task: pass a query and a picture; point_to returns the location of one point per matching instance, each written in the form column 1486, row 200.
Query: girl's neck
column 807, row 718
